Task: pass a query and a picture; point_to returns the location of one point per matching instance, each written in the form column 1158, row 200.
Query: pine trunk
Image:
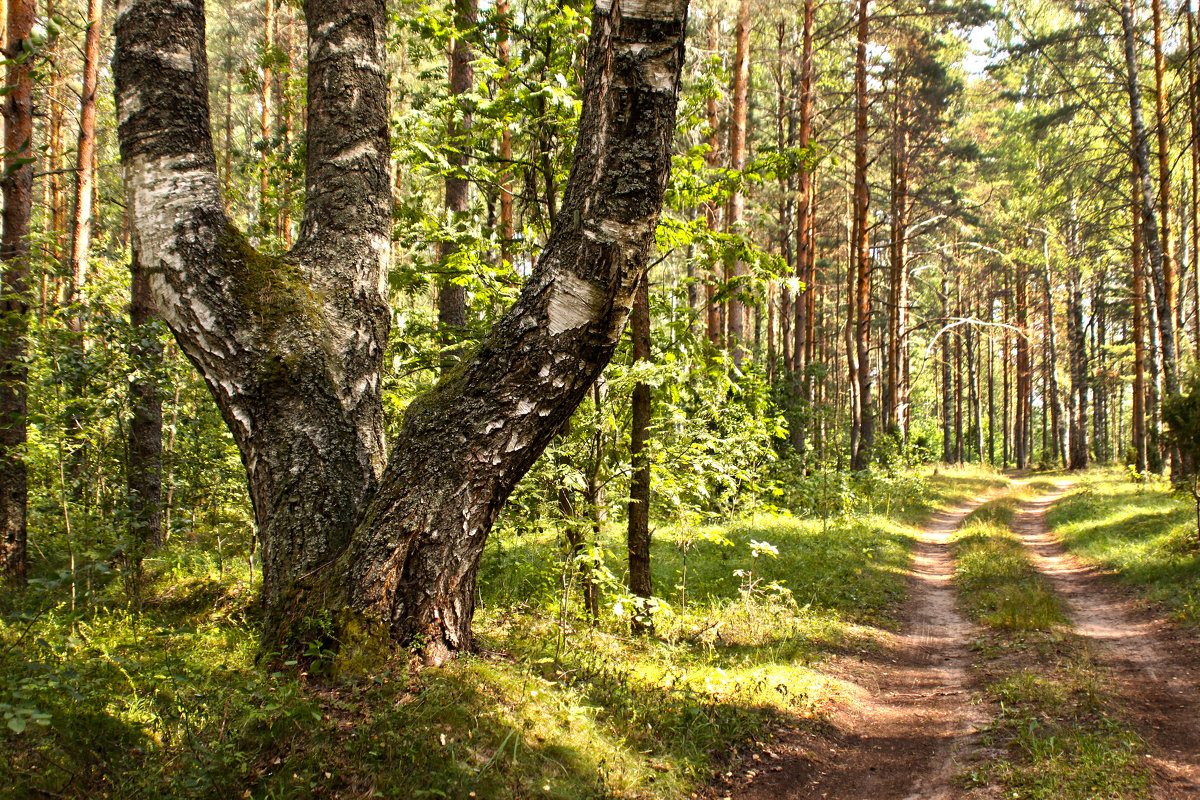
column 17, row 186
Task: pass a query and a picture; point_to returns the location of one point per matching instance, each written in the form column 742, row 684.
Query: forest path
column 1152, row 667
column 910, row 709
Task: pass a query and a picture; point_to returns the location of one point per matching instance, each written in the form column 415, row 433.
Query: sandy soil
column 1153, row 666
column 910, row 717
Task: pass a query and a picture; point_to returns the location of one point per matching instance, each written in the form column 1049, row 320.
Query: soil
column 1153, row 666
column 908, row 727
column 910, row 717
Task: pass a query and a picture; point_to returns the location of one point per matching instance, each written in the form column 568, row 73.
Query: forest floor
column 915, row 635
column 1020, row 670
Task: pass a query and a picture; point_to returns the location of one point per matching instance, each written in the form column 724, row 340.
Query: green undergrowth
column 1143, row 532
column 1056, row 731
column 168, row 700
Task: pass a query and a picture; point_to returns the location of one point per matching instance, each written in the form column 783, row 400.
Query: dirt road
column 1152, row 667
column 910, row 721
column 896, row 738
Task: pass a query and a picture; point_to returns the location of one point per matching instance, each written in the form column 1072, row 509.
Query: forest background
column 866, row 218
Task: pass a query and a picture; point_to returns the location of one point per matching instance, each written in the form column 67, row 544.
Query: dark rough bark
column 1138, row 424
column 1057, row 438
column 861, row 454
column 802, row 345
column 292, row 346
column 17, row 187
column 638, row 539
column 145, row 424
column 1079, row 382
column 1022, row 402
column 947, row 385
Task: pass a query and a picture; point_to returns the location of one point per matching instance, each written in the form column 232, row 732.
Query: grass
column 108, row 700
column 1057, row 732
column 1142, row 532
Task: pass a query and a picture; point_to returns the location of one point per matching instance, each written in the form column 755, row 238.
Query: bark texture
column 145, row 426
column 638, row 538
column 357, row 546
column 17, row 187
column 452, row 295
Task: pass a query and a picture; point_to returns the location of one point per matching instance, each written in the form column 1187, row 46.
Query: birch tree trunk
column 366, row 549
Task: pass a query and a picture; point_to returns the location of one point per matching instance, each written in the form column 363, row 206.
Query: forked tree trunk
column 370, row 549
column 17, row 186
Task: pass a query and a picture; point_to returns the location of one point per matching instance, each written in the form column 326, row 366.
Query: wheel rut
column 911, row 711
column 1152, row 667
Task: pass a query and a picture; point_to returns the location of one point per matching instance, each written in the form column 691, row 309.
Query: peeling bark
column 382, row 548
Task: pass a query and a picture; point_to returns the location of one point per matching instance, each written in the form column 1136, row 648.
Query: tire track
column 911, row 716
column 1156, row 681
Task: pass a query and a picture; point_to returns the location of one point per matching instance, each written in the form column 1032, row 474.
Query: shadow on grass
column 1145, row 535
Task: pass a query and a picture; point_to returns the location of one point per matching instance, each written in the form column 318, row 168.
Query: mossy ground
column 168, row 700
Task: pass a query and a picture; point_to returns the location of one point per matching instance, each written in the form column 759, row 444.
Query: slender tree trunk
column 385, row 547
column 265, row 221
column 507, row 227
column 639, row 485
column 712, row 210
column 1162, row 123
column 1194, row 148
column 145, row 425
column 452, row 295
column 1100, row 444
column 1022, row 407
column 947, row 383
column 803, row 330
column 1057, row 438
column 898, row 296
column 1150, row 213
column 17, row 186
column 861, row 258
column 735, row 269
column 1079, row 383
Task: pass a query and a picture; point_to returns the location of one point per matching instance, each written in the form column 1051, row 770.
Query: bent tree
column 372, row 546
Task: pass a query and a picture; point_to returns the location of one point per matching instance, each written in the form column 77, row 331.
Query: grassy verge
column 167, row 701
column 1143, row 532
column 1056, row 732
